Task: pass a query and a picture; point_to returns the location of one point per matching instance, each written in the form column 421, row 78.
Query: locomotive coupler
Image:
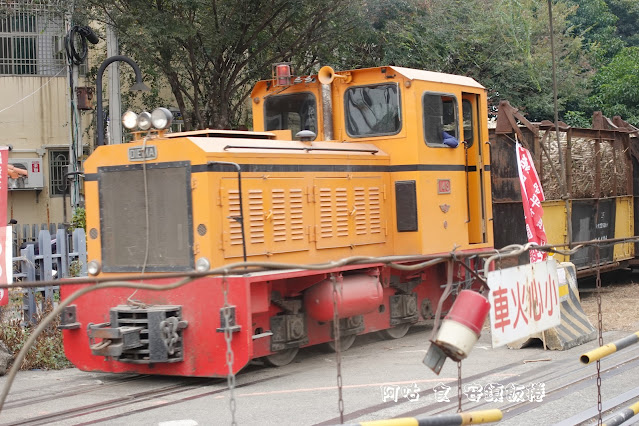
column 114, row 340
column 140, row 335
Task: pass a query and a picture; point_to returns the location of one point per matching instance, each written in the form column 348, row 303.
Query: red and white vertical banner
column 531, row 197
column 6, row 271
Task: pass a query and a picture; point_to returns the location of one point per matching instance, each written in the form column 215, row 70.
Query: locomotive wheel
column 344, row 343
column 396, row 332
column 281, row 358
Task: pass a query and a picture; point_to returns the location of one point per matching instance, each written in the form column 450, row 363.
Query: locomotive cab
column 433, row 127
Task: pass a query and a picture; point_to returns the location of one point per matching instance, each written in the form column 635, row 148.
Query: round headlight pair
column 160, row 119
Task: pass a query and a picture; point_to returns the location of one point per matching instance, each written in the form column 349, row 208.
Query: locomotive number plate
column 443, row 186
column 136, row 153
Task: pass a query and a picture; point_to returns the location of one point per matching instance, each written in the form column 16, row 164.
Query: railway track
column 265, row 396
column 155, row 395
column 563, row 378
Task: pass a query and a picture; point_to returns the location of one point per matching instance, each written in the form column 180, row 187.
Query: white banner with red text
column 523, row 300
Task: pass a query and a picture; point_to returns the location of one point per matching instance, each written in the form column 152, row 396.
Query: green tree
column 627, row 11
column 210, row 52
column 504, row 44
column 616, row 86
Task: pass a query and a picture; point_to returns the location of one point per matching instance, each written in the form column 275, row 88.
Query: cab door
column 474, row 169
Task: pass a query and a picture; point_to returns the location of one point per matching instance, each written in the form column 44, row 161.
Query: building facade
column 35, row 112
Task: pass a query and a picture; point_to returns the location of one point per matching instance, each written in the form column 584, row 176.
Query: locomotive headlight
column 202, row 264
column 130, row 120
column 144, row 121
column 93, row 267
column 161, row 118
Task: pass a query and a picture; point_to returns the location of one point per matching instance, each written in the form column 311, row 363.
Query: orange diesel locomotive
column 385, row 163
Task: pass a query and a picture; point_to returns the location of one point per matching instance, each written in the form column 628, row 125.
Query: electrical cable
column 74, row 55
column 130, row 300
column 391, row 261
column 508, row 251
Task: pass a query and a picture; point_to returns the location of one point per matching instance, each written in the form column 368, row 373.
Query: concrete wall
column 38, row 121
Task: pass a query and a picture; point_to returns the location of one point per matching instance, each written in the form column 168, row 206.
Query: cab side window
column 467, row 110
column 441, row 126
column 295, row 112
column 372, row 110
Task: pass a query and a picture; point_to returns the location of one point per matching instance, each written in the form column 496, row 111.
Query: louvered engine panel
column 254, row 232
column 349, row 211
column 288, row 221
column 274, row 216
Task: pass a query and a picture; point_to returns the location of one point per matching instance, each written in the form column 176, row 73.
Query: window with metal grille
column 31, row 38
column 58, row 167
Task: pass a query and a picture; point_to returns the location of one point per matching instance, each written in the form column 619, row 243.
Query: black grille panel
column 123, row 218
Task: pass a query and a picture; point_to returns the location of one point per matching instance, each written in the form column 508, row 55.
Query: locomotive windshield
column 372, row 110
column 295, row 112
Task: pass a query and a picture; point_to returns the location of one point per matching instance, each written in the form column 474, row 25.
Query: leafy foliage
column 504, row 44
column 627, row 11
column 577, row 119
column 79, row 219
column 597, row 25
column 617, row 86
column 47, row 352
column 210, row 51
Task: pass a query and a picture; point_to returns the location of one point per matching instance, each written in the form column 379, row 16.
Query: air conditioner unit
column 34, row 180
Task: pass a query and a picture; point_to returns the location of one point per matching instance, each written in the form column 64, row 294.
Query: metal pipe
column 139, row 85
column 309, row 148
column 469, row 418
column 562, row 180
column 64, row 195
column 327, row 111
column 610, row 348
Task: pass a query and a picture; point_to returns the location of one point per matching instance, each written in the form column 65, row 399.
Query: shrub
column 79, row 219
column 47, row 352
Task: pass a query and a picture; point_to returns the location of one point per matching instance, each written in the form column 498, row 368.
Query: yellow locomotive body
column 321, row 200
column 380, row 162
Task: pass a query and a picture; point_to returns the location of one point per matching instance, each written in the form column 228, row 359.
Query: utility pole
column 75, row 130
column 115, row 109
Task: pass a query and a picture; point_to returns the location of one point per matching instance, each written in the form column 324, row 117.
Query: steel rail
column 552, row 394
column 138, row 397
column 623, row 415
column 592, row 412
column 575, row 385
column 70, row 391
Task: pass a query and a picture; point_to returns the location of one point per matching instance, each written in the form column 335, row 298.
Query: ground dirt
column 619, row 301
